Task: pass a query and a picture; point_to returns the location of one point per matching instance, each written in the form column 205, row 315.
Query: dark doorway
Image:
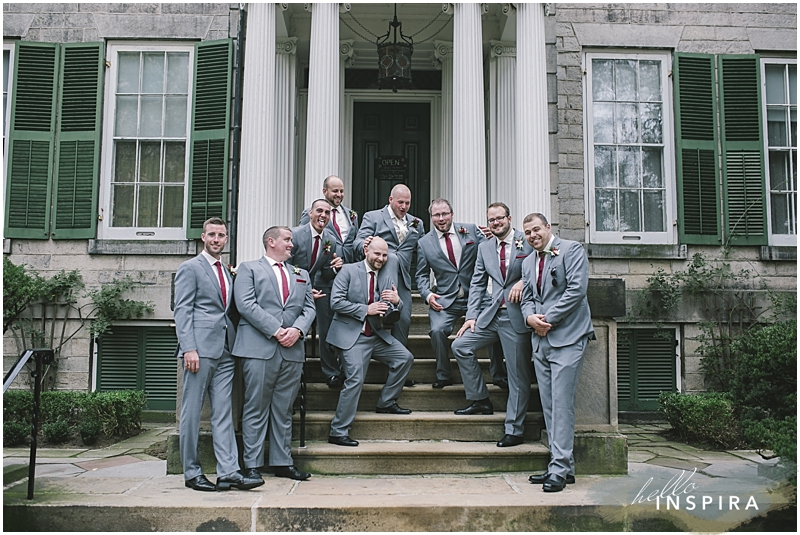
column 391, row 129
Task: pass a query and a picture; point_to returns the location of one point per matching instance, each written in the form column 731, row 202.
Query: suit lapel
column 272, row 276
column 387, row 219
column 213, row 275
column 492, row 259
column 435, row 244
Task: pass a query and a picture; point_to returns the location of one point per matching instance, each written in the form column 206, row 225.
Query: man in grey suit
column 449, row 253
column 316, row 250
column 360, row 293
column 343, row 222
column 556, row 309
column 205, row 336
column 401, row 231
column 275, row 301
column 499, row 259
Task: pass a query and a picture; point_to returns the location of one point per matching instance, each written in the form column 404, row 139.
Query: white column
column 503, row 178
column 257, row 181
column 322, row 133
column 443, row 52
column 347, row 56
column 533, row 155
column 283, row 213
column 469, row 145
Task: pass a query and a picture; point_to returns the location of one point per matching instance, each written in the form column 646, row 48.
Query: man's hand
column 337, row 262
column 487, row 233
column 317, row 294
column 288, row 337
column 366, row 243
column 191, row 361
column 434, row 304
column 378, row 307
column 391, row 295
column 515, row 295
column 469, row 324
column 538, row 324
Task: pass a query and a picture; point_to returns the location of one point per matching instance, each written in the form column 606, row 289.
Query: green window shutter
column 161, row 368
column 696, row 149
column 118, row 359
column 77, row 163
column 645, row 367
column 208, row 152
column 31, row 130
column 742, row 149
column 624, row 370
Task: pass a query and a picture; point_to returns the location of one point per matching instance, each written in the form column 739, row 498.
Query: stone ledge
column 598, row 453
column 6, row 246
column 142, row 247
column 773, row 252
column 633, row 252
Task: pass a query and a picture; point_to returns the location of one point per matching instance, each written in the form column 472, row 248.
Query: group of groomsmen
column 356, row 280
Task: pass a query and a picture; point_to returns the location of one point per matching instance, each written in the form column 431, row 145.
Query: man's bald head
column 377, row 252
column 400, row 200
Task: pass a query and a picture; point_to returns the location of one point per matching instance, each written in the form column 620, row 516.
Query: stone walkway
column 670, row 486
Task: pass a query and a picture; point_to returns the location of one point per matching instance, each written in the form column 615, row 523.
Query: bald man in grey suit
column 275, row 301
column 206, row 336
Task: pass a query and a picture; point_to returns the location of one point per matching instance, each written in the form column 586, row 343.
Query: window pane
column 606, row 209
column 153, row 72
column 125, row 161
column 173, row 207
column 776, row 127
column 780, row 213
column 175, row 124
column 6, row 60
column 793, row 114
column 174, row 162
column 151, row 117
column 625, row 79
column 650, row 81
column 653, row 211
column 604, row 166
column 629, row 167
column 793, row 84
column 629, row 211
column 778, row 171
column 128, row 72
column 603, row 123
column 776, row 84
column 148, row 206
column 178, row 73
column 127, row 114
column 652, row 171
column 122, row 206
column 627, row 123
column 149, row 161
column 652, row 121
column 602, row 79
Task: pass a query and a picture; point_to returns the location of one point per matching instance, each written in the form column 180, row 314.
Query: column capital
column 443, row 50
column 550, row 9
column 286, row 45
column 346, row 51
column 448, row 8
column 484, row 8
column 343, row 7
column 508, row 9
column 283, row 6
column 504, row 49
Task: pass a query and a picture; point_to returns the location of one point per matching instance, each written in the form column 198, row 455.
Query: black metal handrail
column 303, row 386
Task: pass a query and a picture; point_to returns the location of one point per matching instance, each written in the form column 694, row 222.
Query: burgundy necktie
column 370, row 300
column 222, row 285
column 335, row 224
column 503, row 259
column 541, row 269
column 285, row 282
column 315, row 251
column 450, row 254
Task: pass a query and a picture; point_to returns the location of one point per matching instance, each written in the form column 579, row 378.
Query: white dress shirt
column 224, row 282
column 342, row 219
column 400, row 226
column 455, row 241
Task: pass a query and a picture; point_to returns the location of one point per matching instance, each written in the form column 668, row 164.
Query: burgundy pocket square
column 470, row 242
column 522, row 256
column 300, row 280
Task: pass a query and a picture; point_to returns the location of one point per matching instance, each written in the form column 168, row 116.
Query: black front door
column 391, row 129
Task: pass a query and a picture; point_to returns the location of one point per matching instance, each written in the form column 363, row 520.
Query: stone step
column 421, row 425
column 376, row 457
column 418, row 344
column 423, row 371
column 422, row 397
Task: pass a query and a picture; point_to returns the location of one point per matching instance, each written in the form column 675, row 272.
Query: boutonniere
column 326, row 248
column 462, row 230
column 232, row 270
column 414, row 224
column 519, row 244
column 553, row 252
column 353, row 215
column 295, row 270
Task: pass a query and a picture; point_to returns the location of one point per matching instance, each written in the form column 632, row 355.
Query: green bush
column 61, row 405
column 56, row 432
column 119, row 412
column 89, row 430
column 707, row 418
column 780, row 436
column 15, row 433
column 18, row 406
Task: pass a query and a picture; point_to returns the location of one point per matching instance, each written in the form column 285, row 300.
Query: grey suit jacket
column 448, row 278
column 347, row 240
column 379, row 223
column 201, row 322
column 349, row 298
column 259, row 301
column 488, row 265
column 564, row 304
column 321, row 273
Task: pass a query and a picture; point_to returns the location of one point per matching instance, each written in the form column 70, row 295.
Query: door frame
column 351, row 96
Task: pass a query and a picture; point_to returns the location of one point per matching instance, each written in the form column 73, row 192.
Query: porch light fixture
column 394, row 58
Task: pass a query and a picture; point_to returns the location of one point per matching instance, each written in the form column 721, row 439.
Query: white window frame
column 774, row 239
column 670, row 233
column 7, row 45
column 104, row 229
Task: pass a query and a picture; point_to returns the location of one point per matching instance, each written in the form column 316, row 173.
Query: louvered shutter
column 77, row 164
column 31, row 130
column 160, row 377
column 118, row 359
column 696, row 154
column 624, row 370
column 645, row 367
column 742, row 150
column 208, row 168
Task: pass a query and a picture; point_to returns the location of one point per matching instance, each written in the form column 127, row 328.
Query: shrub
column 15, row 433
column 119, row 412
column 780, row 436
column 18, row 406
column 89, row 430
column 56, row 432
column 707, row 418
column 61, row 405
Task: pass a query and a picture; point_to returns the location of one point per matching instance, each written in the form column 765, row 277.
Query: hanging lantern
column 394, row 58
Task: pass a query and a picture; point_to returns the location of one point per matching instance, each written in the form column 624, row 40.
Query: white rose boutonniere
column 519, row 244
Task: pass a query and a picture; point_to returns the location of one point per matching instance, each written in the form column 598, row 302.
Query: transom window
column 629, row 156
column 780, row 112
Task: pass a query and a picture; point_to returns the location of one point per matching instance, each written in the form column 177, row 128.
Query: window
column 629, row 148
column 646, row 364
column 779, row 90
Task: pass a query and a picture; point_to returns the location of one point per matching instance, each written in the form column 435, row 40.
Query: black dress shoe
column 410, row 382
column 391, row 316
column 538, row 479
column 502, row 383
column 342, row 441
column 554, row 483
column 443, row 383
column 334, row 381
column 252, row 473
column 394, row 408
column 200, row 482
column 239, row 481
column 482, row 406
column 509, row 440
column 291, row 472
